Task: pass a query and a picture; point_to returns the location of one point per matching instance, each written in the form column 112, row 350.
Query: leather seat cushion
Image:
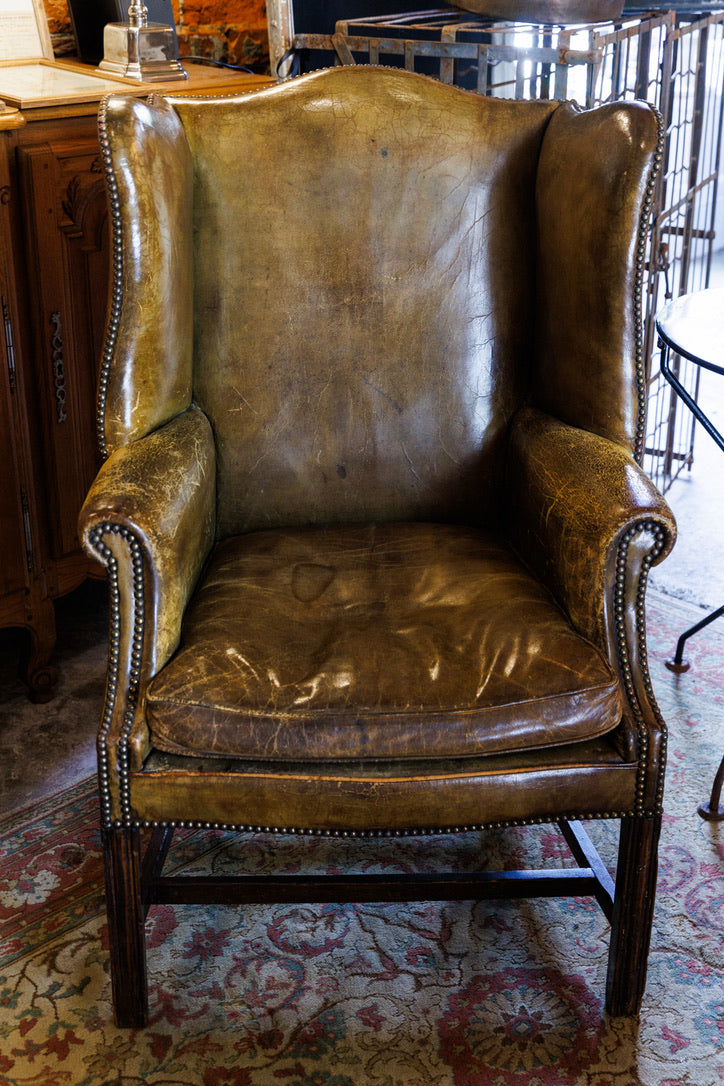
column 400, row 641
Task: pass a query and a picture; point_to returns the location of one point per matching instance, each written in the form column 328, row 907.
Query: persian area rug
column 386, row 995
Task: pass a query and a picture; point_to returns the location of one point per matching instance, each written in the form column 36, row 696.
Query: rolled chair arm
column 150, row 519
column 590, row 523
column 568, row 524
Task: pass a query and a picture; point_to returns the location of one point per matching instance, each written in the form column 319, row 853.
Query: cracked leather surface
column 360, row 314
column 383, row 641
column 375, row 355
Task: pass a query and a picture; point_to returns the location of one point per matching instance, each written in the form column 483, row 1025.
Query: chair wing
column 146, row 371
column 592, row 234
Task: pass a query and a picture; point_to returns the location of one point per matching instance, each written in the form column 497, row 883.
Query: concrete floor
column 45, row 748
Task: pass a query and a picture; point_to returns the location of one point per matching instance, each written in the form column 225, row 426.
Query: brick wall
column 234, row 31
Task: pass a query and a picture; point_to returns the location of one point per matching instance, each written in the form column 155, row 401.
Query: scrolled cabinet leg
column 37, row 650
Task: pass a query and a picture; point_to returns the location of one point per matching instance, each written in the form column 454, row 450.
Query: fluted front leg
column 126, row 920
column 633, row 912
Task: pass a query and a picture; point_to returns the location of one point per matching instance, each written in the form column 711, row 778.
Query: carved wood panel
column 66, row 217
column 23, row 596
column 54, row 249
column 15, row 534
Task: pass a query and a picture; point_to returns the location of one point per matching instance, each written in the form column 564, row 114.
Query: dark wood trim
column 632, row 914
column 585, row 853
column 315, row 889
column 126, row 925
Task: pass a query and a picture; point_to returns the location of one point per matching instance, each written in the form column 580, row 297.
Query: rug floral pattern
column 343, row 995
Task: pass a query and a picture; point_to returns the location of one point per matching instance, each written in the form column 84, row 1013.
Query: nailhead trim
column 434, row 831
column 122, row 752
column 624, row 658
column 639, row 274
column 116, row 292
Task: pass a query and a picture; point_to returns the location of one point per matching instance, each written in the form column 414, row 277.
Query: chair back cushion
column 364, row 291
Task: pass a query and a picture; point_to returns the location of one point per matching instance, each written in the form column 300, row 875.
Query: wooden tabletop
column 203, row 80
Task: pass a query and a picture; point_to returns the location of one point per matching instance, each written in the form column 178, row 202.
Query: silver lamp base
column 146, row 53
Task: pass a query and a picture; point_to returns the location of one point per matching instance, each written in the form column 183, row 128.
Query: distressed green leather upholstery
column 372, row 405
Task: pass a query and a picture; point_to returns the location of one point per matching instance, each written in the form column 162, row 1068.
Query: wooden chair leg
column 126, row 920
column 633, row 913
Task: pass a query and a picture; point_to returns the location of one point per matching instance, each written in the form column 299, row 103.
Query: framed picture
column 24, row 31
column 29, row 74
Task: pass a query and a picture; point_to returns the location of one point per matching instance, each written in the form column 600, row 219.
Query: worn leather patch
column 381, row 641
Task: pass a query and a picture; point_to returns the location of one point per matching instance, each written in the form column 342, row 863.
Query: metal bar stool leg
column 679, row 664
column 711, row 811
column 691, row 327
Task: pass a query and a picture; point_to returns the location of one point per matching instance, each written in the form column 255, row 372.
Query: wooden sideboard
column 54, row 280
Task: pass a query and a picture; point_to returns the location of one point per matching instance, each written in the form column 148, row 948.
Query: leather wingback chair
column 372, row 409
